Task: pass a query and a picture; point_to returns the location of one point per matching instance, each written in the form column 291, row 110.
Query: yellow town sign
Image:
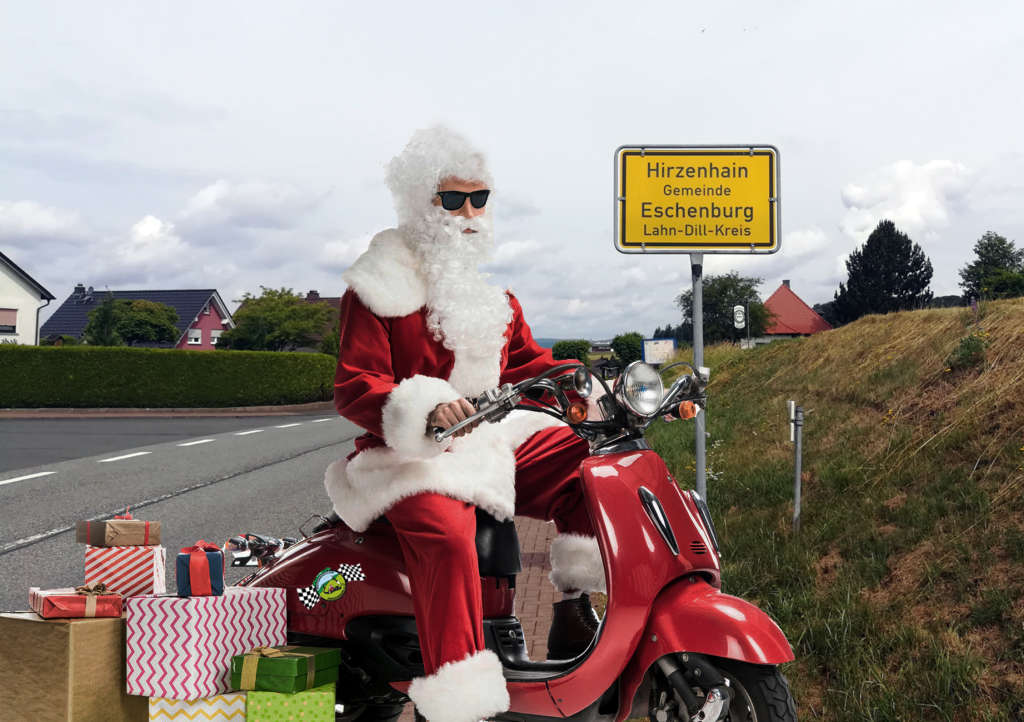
column 694, row 199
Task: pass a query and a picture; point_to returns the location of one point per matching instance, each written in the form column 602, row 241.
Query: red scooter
column 670, row 646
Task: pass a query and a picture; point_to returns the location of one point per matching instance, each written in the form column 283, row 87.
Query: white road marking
column 288, row 426
column 195, row 443
column 126, row 456
column 246, row 433
column 27, row 477
column 320, row 421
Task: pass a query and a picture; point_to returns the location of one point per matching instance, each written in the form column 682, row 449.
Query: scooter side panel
column 316, row 610
column 638, row 565
column 693, row 616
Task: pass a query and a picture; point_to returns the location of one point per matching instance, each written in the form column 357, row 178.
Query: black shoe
column 573, row 625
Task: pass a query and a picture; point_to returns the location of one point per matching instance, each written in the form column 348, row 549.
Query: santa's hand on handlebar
column 449, row 414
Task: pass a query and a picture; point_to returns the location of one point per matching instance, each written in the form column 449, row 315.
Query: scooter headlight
column 640, row 389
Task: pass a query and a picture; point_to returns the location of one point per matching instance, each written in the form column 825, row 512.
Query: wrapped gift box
column 181, row 647
column 69, row 603
column 64, row 670
column 118, row 533
column 285, row 669
column 313, row 705
column 219, row 707
column 130, row 571
column 199, row 571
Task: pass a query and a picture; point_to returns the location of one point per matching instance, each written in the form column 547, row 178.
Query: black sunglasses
column 454, row 200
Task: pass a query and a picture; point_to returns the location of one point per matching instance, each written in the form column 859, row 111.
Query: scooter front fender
column 692, row 616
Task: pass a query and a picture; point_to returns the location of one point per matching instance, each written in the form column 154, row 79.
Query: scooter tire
column 764, row 686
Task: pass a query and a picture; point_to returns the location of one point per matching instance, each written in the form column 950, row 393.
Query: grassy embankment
column 903, row 594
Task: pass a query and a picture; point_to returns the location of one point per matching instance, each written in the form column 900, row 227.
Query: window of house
column 8, row 320
column 195, row 336
column 215, row 335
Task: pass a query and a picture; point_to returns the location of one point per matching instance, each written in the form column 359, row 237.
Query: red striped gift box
column 130, row 571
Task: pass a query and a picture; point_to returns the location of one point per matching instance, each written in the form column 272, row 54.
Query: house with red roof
column 791, row 316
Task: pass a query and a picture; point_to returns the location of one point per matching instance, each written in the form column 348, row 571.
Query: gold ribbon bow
column 252, row 660
column 91, row 591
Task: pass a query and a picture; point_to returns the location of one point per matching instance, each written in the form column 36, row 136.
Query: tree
column 628, row 347
column 142, row 321
column 720, row 294
column 1004, row 284
column 117, row 322
column 888, row 273
column 102, row 327
column 578, row 349
column 276, row 320
column 993, row 254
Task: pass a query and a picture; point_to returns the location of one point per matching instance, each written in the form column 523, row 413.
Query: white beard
column 467, row 314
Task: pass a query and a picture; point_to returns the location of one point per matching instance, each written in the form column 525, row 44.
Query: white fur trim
column 404, row 417
column 576, row 564
column 387, row 278
column 470, row 689
column 479, row 468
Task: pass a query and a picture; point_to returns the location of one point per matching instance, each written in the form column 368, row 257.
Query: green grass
column 902, row 595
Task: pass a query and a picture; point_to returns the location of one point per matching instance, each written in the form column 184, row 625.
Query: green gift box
column 311, row 705
column 285, row 669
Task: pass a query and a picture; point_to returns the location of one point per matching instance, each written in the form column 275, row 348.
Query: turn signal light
column 687, row 410
column 577, row 412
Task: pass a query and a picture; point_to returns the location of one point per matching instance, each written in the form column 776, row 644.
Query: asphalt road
column 242, row 479
column 32, row 442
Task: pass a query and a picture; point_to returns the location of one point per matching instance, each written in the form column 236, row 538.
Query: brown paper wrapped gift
column 118, row 533
column 65, row 670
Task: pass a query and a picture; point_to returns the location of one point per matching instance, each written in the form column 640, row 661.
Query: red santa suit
column 392, row 372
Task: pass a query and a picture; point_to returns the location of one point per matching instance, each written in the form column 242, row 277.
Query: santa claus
column 423, row 331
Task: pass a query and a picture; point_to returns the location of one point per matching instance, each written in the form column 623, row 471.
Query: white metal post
column 697, row 269
column 798, row 433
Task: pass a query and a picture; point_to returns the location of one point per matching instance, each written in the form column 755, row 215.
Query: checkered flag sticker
column 310, row 596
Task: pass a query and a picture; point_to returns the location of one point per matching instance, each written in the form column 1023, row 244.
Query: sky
column 238, row 144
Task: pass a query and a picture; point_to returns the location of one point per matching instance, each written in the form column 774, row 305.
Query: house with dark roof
column 20, row 295
column 202, row 315
column 791, row 316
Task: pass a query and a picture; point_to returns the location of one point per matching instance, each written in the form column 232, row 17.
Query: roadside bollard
column 796, row 428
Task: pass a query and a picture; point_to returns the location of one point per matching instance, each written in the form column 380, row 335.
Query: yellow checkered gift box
column 220, row 707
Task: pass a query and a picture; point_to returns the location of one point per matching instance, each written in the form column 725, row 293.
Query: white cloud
column 250, row 204
column 508, row 254
column 918, row 198
column 339, row 255
column 31, row 220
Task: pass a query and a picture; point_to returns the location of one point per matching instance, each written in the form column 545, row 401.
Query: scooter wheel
column 760, row 693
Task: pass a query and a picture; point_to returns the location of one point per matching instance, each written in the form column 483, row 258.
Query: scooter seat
column 497, row 543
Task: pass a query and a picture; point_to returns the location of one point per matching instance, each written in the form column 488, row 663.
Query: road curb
column 318, row 407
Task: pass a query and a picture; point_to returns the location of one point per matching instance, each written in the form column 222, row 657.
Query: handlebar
column 495, row 404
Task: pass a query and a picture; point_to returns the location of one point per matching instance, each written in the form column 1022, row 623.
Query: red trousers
column 438, row 539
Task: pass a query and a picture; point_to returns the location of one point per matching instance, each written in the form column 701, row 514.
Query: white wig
column 432, row 155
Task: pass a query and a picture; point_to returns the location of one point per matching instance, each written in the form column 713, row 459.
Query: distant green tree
column 276, row 320
column 331, row 342
column 946, row 302
column 142, row 321
column 719, row 295
column 993, row 254
column 102, row 327
column 628, row 347
column 1004, row 284
column 578, row 349
column 888, row 273
column 120, row 322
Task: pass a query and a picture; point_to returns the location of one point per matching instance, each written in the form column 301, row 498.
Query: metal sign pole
column 798, row 434
column 697, row 269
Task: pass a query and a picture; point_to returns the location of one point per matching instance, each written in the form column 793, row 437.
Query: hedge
column 85, row 376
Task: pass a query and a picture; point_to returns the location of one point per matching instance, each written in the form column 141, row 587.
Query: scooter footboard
column 692, row 616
